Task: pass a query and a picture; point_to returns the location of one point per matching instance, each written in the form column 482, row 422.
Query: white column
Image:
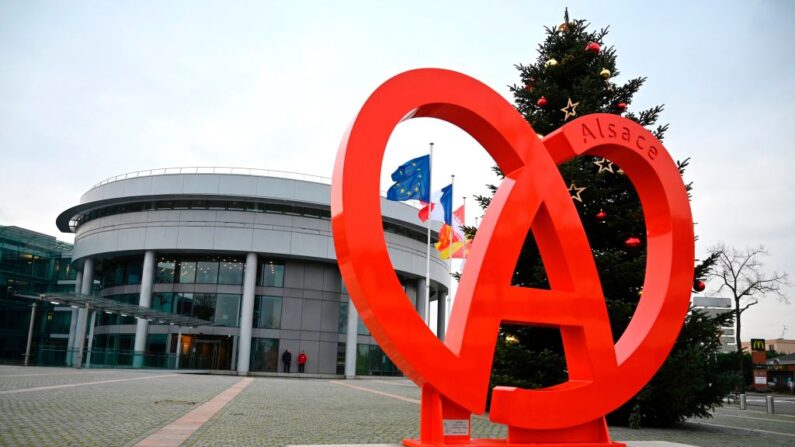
column 30, row 332
column 91, row 325
column 70, row 344
column 247, row 315
column 82, row 315
column 440, row 314
column 422, row 300
column 350, row 341
column 144, row 300
column 179, row 347
column 87, row 283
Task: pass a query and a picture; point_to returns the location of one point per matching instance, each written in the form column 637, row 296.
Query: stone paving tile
column 12, row 380
column 279, row 411
column 275, row 412
column 405, row 388
column 113, row 414
column 702, row 436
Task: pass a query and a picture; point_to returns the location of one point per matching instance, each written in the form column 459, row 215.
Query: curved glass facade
column 198, row 233
column 210, row 287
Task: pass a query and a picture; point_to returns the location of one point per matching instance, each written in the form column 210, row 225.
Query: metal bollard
column 771, row 408
column 743, row 405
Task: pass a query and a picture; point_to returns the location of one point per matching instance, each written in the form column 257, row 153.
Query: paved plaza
column 67, row 407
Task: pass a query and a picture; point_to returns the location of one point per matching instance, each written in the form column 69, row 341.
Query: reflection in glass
column 371, row 360
column 264, row 354
column 187, row 272
column 207, row 272
column 165, row 271
column 134, row 272
column 184, row 303
column 204, row 306
column 227, row 309
column 230, row 272
column 271, row 274
column 268, row 312
column 163, row 301
column 340, row 358
column 342, row 323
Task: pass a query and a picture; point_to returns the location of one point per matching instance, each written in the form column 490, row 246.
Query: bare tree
column 741, row 272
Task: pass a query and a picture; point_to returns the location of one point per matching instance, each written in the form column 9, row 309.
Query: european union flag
column 412, row 180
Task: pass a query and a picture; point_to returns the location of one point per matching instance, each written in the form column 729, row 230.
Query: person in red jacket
column 301, row 361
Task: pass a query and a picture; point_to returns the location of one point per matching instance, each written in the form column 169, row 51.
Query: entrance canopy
column 115, row 307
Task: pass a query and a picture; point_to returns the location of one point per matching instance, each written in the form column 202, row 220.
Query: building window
column 156, row 344
column 164, row 302
column 342, row 323
column 340, row 358
column 187, row 272
column 121, row 272
column 264, row 354
column 134, row 272
column 183, row 303
column 207, row 272
column 227, row 309
column 271, row 274
column 371, row 361
column 230, row 272
column 105, row 318
column 60, row 322
column 268, row 312
column 165, row 271
column 216, row 204
column 204, row 306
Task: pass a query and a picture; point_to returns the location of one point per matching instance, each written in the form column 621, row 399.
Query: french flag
column 440, row 208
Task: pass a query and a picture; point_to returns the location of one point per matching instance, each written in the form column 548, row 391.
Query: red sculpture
column 454, row 375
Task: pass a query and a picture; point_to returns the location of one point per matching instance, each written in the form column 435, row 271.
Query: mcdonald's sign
column 757, row 344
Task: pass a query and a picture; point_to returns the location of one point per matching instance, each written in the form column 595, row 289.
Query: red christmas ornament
column 528, row 87
column 593, row 47
column 699, row 286
column 601, row 215
column 541, row 102
column 622, row 106
column 632, row 242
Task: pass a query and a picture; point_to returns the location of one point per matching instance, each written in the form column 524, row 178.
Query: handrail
column 216, row 170
column 226, row 170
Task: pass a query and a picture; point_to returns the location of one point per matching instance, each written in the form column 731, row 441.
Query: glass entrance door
column 207, row 352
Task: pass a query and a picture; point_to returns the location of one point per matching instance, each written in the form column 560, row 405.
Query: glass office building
column 251, row 253
column 32, row 263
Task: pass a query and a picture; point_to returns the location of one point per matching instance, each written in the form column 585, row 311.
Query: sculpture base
column 443, row 423
column 628, row 444
column 505, row 443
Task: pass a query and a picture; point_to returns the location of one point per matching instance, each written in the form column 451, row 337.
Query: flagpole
column 450, row 270
column 428, row 251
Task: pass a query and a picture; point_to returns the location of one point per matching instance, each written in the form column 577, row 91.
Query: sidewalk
column 62, row 406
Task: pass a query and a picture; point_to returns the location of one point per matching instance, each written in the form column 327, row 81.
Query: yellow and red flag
column 452, row 240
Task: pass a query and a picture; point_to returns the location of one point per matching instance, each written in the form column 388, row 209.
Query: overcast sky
column 89, row 90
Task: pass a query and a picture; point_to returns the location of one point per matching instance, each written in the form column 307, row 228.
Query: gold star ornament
column 576, row 192
column 570, row 110
column 604, row 165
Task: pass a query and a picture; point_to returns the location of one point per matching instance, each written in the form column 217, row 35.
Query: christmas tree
column 575, row 74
